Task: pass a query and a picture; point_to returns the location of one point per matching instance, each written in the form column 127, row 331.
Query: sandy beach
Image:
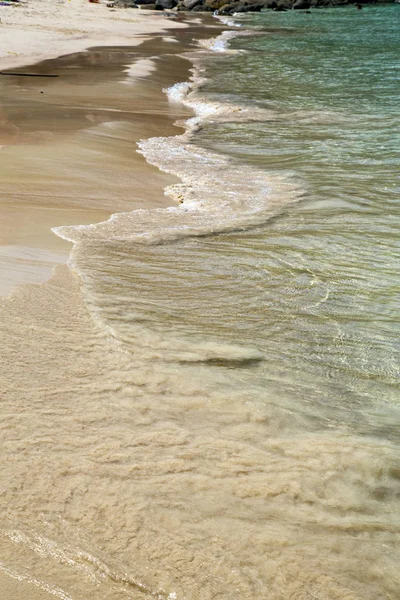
column 199, row 395
column 69, row 156
column 34, row 30
column 30, row 118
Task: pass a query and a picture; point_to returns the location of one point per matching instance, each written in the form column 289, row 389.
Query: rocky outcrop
column 202, row 8
column 229, row 7
column 215, row 4
column 301, row 5
column 191, row 4
column 242, row 6
column 194, row 5
column 166, row 4
column 123, row 4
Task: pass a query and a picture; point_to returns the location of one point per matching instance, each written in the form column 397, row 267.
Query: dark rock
column 253, row 6
column 150, row 7
column 141, row 2
column 182, row 7
column 301, row 5
column 260, row 4
column 242, row 6
column 228, row 9
column 190, row 4
column 123, row 4
column 201, row 8
column 166, row 3
column 215, row 4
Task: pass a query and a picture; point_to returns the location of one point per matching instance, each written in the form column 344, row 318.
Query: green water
column 330, row 264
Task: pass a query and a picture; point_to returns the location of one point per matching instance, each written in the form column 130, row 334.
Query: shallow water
column 221, row 420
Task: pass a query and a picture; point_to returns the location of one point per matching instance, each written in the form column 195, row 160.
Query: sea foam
column 215, row 194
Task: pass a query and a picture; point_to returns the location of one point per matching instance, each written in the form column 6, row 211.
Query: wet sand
column 65, row 160
column 36, row 30
column 56, row 167
column 14, row 588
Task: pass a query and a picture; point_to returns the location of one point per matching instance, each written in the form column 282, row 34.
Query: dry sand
column 33, row 30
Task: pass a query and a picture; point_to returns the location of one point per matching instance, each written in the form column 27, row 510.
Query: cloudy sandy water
column 142, row 458
column 121, row 481
column 83, row 175
column 273, row 483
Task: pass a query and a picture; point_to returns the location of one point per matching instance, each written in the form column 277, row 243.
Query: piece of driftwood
column 27, row 74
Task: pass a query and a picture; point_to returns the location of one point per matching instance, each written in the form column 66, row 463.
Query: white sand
column 32, row 30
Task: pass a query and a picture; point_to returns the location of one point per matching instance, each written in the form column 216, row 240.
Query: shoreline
column 55, row 298
column 28, row 30
column 32, row 34
column 177, row 417
column 147, row 51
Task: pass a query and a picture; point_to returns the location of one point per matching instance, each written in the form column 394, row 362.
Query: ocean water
column 230, row 429
column 328, row 83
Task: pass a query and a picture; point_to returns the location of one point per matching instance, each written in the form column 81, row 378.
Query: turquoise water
column 329, row 84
